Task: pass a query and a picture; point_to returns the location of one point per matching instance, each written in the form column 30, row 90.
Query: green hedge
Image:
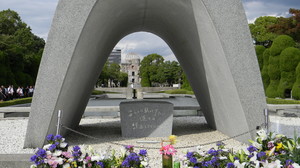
column 281, row 101
column 274, row 68
column 264, row 72
column 179, row 91
column 280, row 43
column 296, row 86
column 97, row 92
column 260, row 55
column 271, row 91
column 286, row 82
column 16, row 101
column 289, row 59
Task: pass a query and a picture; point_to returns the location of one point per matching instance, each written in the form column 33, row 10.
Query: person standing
column 30, row 92
column 2, row 96
column 20, row 92
column 10, row 92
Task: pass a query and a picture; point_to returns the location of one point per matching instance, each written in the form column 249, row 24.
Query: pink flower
column 168, row 150
column 67, row 154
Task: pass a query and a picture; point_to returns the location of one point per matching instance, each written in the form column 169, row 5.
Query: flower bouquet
column 58, row 154
column 168, row 151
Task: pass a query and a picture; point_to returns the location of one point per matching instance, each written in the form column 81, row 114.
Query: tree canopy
column 20, row 50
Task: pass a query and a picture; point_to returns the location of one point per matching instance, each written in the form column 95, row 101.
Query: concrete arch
column 210, row 39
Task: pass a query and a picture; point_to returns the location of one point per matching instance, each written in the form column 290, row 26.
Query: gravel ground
column 189, row 130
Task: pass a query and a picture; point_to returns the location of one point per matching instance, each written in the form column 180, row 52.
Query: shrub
column 274, row 68
column 289, row 59
column 286, row 82
column 179, row 91
column 15, row 102
column 281, row 101
column 260, row 54
column 266, row 56
column 296, row 86
column 281, row 43
column 97, row 92
column 272, row 89
column 265, row 77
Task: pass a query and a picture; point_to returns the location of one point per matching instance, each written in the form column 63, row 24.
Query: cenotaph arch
column 210, row 39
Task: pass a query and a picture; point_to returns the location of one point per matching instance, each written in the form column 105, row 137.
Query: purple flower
column 213, row 152
column 190, row 154
column 33, row 158
column 129, row 147
column 143, row 152
column 270, row 145
column 50, row 137
column 289, row 162
column 220, row 143
column 76, row 148
column 101, row 164
column 58, row 137
column 193, row 160
column 236, row 158
column 41, row 153
column 261, row 154
column 251, row 149
column 52, row 147
column 230, row 165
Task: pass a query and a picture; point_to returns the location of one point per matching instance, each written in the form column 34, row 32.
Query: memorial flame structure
column 210, row 39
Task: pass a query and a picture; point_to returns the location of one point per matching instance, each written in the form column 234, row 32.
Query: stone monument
column 146, row 118
column 210, row 39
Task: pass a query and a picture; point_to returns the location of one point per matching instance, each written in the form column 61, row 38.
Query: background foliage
column 20, row 50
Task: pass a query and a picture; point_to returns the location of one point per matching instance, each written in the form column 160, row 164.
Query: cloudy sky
column 38, row 15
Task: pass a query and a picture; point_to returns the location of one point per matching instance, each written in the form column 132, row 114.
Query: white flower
column 262, row 133
column 47, row 146
column 257, row 145
column 295, row 165
column 238, row 164
column 199, row 149
column 223, row 158
column 57, row 153
column 63, row 144
column 33, row 166
column 275, row 164
column 95, row 158
column 66, row 165
column 254, row 158
column 225, row 150
column 144, row 163
column 60, row 161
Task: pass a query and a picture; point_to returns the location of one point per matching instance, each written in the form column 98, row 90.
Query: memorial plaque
column 146, row 118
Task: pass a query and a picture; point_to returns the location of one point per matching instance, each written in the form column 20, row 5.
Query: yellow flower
column 279, row 146
column 172, row 139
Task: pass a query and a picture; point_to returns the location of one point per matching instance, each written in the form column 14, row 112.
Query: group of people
column 10, row 92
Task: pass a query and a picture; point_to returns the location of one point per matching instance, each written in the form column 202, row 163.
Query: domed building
column 131, row 66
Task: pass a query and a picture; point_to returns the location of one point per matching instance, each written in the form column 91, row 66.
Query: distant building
column 115, row 56
column 131, row 66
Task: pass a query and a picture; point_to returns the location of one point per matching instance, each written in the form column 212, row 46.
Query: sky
column 38, row 15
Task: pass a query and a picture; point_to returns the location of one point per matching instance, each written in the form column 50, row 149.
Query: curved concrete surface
column 210, row 39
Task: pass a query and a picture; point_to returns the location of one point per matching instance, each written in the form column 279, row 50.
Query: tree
column 21, row 50
column 260, row 54
column 150, row 70
column 260, row 30
column 289, row 59
column 111, row 73
column 288, row 26
column 172, row 72
column 280, row 43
